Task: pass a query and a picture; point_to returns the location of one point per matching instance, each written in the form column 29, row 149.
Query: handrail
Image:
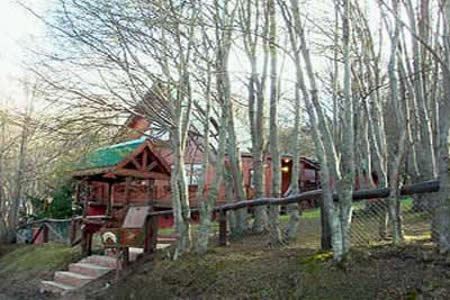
column 49, row 220
column 417, row 188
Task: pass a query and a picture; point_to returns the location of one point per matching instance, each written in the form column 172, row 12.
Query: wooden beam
column 418, row 188
column 136, row 164
column 141, row 175
column 144, row 158
column 75, row 242
column 127, row 190
column 151, row 166
column 36, row 235
column 88, row 172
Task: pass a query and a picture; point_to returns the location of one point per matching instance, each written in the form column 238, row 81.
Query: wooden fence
column 46, row 226
column 67, row 231
column 418, row 188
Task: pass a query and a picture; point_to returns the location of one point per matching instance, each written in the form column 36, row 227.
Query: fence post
column 325, row 237
column 85, row 242
column 151, row 234
column 222, row 228
column 45, row 233
column 72, row 231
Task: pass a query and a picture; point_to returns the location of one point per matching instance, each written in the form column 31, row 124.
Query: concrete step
column 166, row 240
column 101, row 260
column 72, row 279
column 87, row 269
column 56, row 287
column 135, row 253
column 162, row 246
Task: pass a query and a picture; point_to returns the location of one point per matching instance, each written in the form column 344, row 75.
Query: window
column 193, row 173
column 310, row 175
column 252, row 178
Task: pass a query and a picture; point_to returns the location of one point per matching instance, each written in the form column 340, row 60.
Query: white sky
column 17, row 27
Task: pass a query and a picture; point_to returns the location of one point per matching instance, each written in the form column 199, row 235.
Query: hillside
column 245, row 270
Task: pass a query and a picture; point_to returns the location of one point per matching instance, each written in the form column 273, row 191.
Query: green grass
column 37, row 257
column 307, row 214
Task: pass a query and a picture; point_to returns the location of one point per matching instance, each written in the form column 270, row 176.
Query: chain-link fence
column 46, row 230
column 371, row 221
column 371, row 224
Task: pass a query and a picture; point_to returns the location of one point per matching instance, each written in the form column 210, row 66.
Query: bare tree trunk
column 444, row 127
column 293, row 209
column 274, row 210
column 396, row 159
column 3, row 224
column 178, row 193
column 345, row 183
column 256, row 90
column 207, row 207
column 16, row 200
column 426, row 158
column 325, row 147
column 224, row 20
column 231, row 215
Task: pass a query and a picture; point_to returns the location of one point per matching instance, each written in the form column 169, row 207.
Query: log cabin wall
column 309, row 176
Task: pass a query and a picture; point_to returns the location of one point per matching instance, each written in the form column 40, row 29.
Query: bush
column 61, row 204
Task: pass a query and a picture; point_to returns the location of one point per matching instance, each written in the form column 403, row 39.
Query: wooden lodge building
column 137, row 171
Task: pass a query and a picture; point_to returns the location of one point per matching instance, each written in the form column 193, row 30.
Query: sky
column 17, row 27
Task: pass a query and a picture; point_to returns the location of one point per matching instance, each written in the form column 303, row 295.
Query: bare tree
column 254, row 35
column 274, row 211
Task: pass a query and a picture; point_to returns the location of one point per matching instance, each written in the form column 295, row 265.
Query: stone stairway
column 80, row 273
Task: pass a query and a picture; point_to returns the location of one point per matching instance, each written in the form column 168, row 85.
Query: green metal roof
column 109, row 156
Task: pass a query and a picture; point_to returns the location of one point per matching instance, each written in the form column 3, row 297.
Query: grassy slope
column 247, row 271
column 24, row 266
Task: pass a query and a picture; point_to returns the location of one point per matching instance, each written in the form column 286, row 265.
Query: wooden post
column 89, row 243
column 222, row 228
column 325, row 237
column 151, row 234
column 127, row 191
column 85, row 204
column 45, row 233
column 151, row 191
column 109, row 204
column 84, row 243
column 73, row 232
column 126, row 256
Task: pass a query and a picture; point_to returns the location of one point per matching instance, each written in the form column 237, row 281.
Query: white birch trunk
column 274, row 210
column 444, row 127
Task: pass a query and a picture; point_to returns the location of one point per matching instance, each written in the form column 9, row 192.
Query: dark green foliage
column 61, row 205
